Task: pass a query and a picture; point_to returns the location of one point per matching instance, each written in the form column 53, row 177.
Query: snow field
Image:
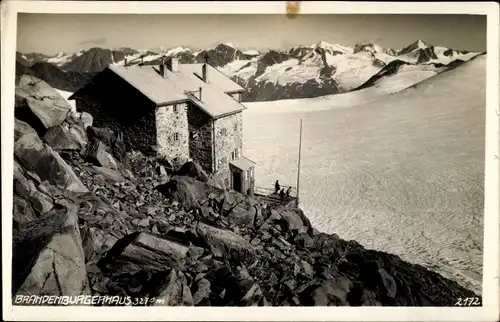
column 402, row 174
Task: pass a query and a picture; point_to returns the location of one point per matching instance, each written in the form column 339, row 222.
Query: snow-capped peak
column 322, row 44
column 251, row 52
column 229, row 44
column 176, row 51
column 332, row 47
column 416, row 45
column 421, row 44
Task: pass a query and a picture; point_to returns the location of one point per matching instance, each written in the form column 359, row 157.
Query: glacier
column 398, row 171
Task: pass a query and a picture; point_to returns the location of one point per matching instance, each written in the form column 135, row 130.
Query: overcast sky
column 53, row 33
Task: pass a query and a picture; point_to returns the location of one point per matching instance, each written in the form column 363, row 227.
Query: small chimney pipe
column 162, row 69
column 200, row 92
column 204, row 72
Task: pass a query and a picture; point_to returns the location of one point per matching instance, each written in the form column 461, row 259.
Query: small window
column 176, row 137
column 194, row 135
column 175, row 109
column 224, row 131
column 233, row 155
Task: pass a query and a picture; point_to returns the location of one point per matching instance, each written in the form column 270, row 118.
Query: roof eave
column 228, row 114
column 183, row 100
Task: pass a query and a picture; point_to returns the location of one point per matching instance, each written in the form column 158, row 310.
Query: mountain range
column 298, row 72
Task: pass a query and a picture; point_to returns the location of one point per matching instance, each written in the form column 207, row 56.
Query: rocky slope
column 299, row 72
column 92, row 218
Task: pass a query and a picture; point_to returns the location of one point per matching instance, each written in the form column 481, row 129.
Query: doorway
column 236, row 181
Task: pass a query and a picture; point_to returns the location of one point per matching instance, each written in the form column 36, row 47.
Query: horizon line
column 235, row 45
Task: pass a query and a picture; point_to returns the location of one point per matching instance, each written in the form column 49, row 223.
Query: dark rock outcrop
column 48, row 255
column 66, row 137
column 35, row 156
column 39, row 105
column 142, row 251
column 226, row 244
column 97, row 153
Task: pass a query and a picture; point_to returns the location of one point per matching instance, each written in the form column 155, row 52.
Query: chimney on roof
column 204, row 72
column 204, row 69
column 126, row 62
column 200, row 92
column 173, row 64
column 162, row 68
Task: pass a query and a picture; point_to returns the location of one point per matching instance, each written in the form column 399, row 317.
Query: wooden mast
column 298, row 165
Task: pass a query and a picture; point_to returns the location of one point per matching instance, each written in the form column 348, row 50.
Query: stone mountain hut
column 183, row 111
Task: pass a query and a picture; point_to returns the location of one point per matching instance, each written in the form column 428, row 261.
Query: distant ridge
column 298, row 72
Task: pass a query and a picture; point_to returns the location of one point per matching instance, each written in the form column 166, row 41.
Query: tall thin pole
column 298, row 165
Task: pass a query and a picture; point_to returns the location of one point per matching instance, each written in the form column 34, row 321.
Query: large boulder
column 109, row 175
column 388, row 282
column 66, row 136
column 240, row 209
column 187, row 191
column 331, row 292
column 97, row 241
column 235, row 287
column 97, row 153
column 22, row 211
column 144, row 251
column 21, row 128
column 225, row 243
column 294, row 220
column 193, row 170
column 27, row 189
column 35, row 156
column 192, row 194
column 172, row 290
column 48, row 258
column 38, row 104
column 83, row 118
column 105, row 135
column 201, row 291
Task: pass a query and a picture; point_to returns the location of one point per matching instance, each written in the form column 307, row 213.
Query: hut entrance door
column 236, row 180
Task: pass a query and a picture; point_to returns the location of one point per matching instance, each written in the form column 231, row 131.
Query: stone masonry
column 201, row 137
column 137, row 135
column 172, row 131
column 228, row 138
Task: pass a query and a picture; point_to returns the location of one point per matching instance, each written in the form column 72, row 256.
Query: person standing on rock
column 282, row 194
column 288, row 191
column 276, row 187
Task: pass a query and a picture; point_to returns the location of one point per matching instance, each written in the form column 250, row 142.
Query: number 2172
column 468, row 301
